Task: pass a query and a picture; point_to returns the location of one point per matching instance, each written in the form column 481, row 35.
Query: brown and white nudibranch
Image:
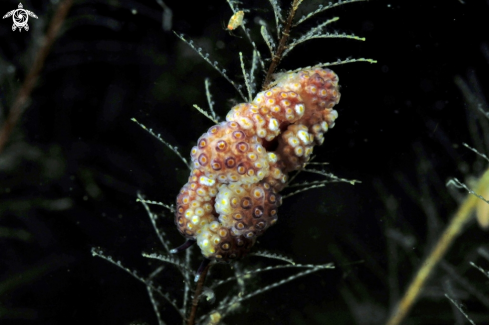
column 231, row 196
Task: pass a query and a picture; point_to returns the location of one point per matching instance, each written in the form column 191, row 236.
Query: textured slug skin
column 231, row 196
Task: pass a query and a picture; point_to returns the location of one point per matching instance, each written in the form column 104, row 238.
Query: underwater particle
column 236, row 20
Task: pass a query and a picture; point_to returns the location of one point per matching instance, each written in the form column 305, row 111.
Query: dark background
column 71, row 170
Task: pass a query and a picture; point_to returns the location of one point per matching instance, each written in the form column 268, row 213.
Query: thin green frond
column 273, row 256
column 329, row 64
column 303, row 190
column 316, row 184
column 459, row 307
column 272, row 268
column 317, row 36
column 481, row 109
column 213, row 64
column 306, row 183
column 278, row 16
column 486, row 273
column 324, row 8
column 310, row 162
column 254, row 68
column 207, row 84
column 157, row 136
column 262, row 63
column 317, row 30
column 268, row 40
column 455, row 182
column 246, row 77
column 318, row 163
column 203, row 112
column 333, row 178
column 169, row 207
column 101, row 254
column 477, row 152
column 152, row 216
column 170, row 260
column 155, row 273
column 311, row 269
column 155, row 305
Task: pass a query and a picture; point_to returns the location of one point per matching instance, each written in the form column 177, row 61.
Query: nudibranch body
column 232, row 193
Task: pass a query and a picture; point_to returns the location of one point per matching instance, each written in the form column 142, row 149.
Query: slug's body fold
column 232, row 193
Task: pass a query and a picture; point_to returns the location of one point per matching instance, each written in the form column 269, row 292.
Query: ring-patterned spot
column 203, row 159
column 272, row 198
column 258, row 211
column 221, row 145
column 214, row 129
column 323, row 93
column 234, row 202
column 241, row 169
column 202, row 143
column 216, row 165
column 258, row 193
column 230, row 162
column 242, row 147
column 246, row 203
column 223, row 232
column 238, row 135
column 261, row 225
column 285, row 103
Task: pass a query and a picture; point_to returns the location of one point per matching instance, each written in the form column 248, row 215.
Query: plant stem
column 198, row 292
column 31, row 79
column 282, row 45
column 463, row 215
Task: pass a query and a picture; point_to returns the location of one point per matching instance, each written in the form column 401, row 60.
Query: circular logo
column 20, row 17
